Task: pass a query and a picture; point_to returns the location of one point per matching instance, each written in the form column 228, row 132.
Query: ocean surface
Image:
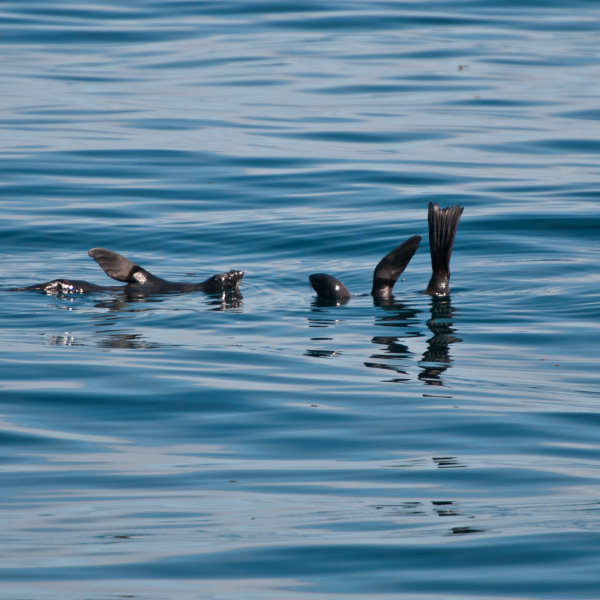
column 267, row 445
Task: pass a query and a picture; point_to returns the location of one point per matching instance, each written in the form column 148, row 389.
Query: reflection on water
column 436, row 359
column 123, row 301
column 226, row 301
column 321, row 353
column 127, row 340
column 464, row 530
column 394, row 347
column 394, row 352
column 113, row 324
column 447, row 462
column 321, row 321
column 321, row 316
column 398, row 315
column 420, row 511
column 319, row 302
column 65, row 339
column 444, row 508
column 113, row 340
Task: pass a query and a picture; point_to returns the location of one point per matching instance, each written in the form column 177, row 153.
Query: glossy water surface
column 272, row 446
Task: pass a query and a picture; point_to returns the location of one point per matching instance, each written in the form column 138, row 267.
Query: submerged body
column 139, row 282
column 385, row 275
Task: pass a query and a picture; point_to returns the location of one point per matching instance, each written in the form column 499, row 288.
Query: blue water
column 272, row 447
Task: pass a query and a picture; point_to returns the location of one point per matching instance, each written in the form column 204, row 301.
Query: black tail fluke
column 391, row 266
column 442, row 229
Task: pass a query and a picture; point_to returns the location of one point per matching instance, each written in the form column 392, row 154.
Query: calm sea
column 271, row 446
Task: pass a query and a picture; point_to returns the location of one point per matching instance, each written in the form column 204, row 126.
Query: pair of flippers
column 139, row 282
column 442, row 230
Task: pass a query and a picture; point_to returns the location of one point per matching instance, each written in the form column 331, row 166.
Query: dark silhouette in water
column 442, row 229
column 386, row 273
column 436, row 358
column 139, row 281
column 400, row 322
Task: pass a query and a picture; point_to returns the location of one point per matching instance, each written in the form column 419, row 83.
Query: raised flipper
column 328, row 287
column 442, row 229
column 120, row 268
column 391, row 266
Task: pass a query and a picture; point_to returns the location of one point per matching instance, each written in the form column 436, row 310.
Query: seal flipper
column 391, row 266
column 120, row 268
column 442, row 229
column 63, row 286
column 328, row 287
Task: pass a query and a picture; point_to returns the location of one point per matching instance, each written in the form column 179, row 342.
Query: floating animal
column 442, row 230
column 139, row 282
column 386, row 273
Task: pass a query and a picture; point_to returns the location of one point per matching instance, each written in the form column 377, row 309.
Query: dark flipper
column 63, row 286
column 442, row 229
column 392, row 265
column 328, row 287
column 120, row 268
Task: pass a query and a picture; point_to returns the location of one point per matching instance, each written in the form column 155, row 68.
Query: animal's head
column 328, row 287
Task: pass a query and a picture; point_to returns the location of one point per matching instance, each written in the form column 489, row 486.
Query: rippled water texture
column 271, row 446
